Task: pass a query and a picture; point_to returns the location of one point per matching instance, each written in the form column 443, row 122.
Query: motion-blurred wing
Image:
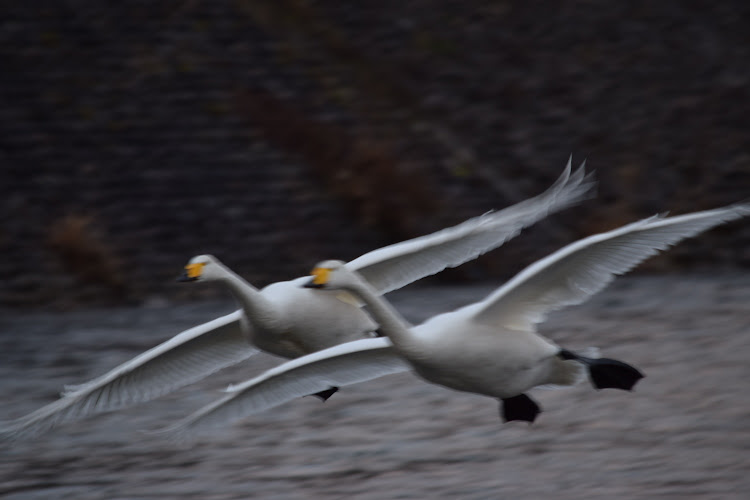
column 581, row 269
column 181, row 360
column 341, row 365
column 397, row 265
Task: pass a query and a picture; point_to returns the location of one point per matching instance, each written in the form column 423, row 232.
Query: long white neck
column 391, row 322
column 260, row 312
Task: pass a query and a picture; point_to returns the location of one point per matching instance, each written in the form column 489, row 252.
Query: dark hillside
column 273, row 134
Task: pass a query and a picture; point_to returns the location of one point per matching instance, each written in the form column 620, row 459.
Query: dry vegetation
column 383, row 192
column 74, row 239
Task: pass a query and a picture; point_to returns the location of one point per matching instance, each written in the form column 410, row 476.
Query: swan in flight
column 490, row 347
column 288, row 320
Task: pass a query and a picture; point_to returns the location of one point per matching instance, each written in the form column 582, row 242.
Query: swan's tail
column 566, row 372
column 606, row 373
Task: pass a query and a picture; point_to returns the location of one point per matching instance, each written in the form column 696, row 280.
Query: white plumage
column 287, row 320
column 490, row 347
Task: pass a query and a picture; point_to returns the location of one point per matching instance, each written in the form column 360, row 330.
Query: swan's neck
column 391, row 322
column 259, row 311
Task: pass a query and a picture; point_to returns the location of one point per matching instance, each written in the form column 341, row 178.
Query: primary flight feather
column 287, row 320
column 490, row 347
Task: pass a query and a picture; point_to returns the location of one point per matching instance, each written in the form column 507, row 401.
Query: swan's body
column 490, row 347
column 442, row 351
column 287, row 320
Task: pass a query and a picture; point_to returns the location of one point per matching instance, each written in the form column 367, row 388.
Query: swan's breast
column 484, row 360
column 317, row 319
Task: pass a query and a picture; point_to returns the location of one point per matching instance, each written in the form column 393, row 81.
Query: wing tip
column 571, row 188
column 15, row 431
column 178, row 434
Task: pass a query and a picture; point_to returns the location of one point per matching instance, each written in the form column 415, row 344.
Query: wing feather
column 578, row 271
column 181, row 360
column 397, row 265
column 341, row 365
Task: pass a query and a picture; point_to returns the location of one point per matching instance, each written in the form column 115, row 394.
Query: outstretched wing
column 341, row 365
column 397, row 265
column 576, row 272
column 181, row 360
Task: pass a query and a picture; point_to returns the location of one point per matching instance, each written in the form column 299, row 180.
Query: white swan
column 489, row 347
column 286, row 319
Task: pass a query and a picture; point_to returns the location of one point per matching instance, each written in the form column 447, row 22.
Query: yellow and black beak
column 192, row 272
column 320, row 278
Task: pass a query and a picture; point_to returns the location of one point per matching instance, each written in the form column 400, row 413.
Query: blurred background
column 274, row 134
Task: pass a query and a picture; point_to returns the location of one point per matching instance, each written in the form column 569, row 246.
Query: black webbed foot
column 519, row 407
column 607, row 373
column 612, row 374
column 324, row 395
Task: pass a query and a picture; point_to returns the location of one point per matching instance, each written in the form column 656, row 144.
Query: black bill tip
column 312, row 284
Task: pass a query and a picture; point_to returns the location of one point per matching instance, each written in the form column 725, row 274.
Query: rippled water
column 684, row 433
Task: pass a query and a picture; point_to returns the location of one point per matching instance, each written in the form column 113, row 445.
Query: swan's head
column 201, row 268
column 331, row 274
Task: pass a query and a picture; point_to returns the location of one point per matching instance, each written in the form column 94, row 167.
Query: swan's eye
column 194, row 270
column 320, row 275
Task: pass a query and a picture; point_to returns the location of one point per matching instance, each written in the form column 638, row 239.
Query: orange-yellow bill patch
column 320, row 275
column 194, row 270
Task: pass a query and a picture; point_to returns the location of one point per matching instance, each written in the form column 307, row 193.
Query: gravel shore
column 684, row 432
